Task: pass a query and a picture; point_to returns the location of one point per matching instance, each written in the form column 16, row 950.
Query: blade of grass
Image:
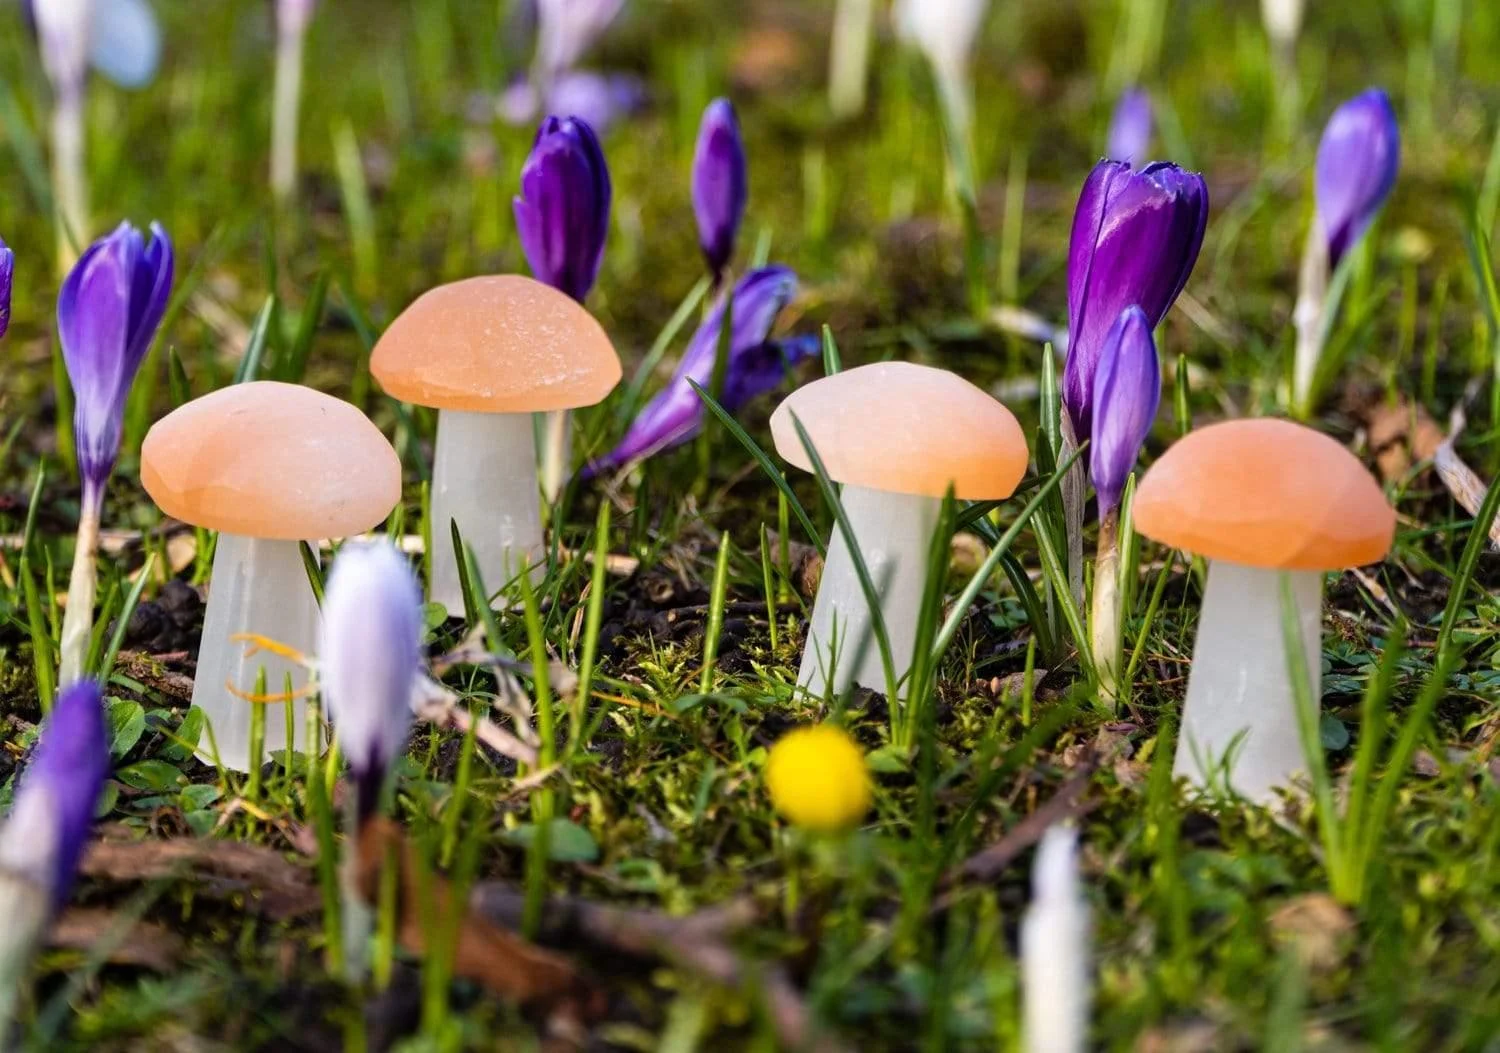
column 249, row 367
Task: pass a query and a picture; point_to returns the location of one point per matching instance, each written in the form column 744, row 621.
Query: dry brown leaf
column 145, row 945
column 1316, row 927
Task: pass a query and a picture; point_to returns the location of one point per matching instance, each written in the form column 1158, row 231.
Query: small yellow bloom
column 818, row 778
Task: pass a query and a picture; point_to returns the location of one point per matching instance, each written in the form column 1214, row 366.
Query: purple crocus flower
column 1127, row 391
column 7, row 273
column 43, row 838
column 108, row 310
column 756, row 364
column 369, row 654
column 1130, row 128
column 720, row 184
column 566, row 29
column 562, row 212
column 1136, row 235
column 1357, row 163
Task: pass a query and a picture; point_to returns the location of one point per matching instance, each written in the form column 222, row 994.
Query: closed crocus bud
column 720, row 183
column 1136, row 235
column 63, row 28
column 562, row 212
column 945, row 31
column 1357, row 163
column 108, row 310
column 369, row 655
column 43, row 837
column 1283, row 20
column 818, row 779
column 1130, row 128
column 566, row 29
column 1127, row 391
column 292, row 16
column 755, row 365
column 7, row 273
column 125, row 42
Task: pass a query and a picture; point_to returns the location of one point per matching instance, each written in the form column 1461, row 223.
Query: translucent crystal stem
column 484, row 479
column 261, row 587
column 894, row 532
column 1240, row 709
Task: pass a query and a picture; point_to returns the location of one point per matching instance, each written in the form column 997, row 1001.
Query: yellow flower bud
column 818, row 778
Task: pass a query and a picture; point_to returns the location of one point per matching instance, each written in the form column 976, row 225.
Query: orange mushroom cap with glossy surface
column 271, row 460
column 497, row 344
column 907, row 429
column 1265, row 493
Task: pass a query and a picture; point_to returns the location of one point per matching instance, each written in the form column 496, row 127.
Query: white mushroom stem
column 484, row 479
column 557, row 452
column 1240, row 709
column 894, row 532
column 1055, row 966
column 259, row 586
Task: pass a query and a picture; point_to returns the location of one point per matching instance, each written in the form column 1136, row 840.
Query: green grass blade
column 250, row 364
column 833, row 362
column 1479, row 535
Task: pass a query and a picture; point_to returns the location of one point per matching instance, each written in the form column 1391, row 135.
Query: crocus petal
column 1135, row 239
column 44, row 835
column 562, row 213
column 945, row 31
column 7, row 274
column 369, row 655
column 125, row 42
column 566, row 29
column 292, row 16
column 720, row 183
column 755, row 365
column 1127, row 391
column 597, row 99
column 1358, row 158
column 63, row 29
column 1130, row 128
column 108, row 311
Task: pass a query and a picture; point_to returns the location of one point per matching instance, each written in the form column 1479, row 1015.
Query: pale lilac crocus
column 720, row 184
column 756, row 364
column 1127, row 392
column 43, row 838
column 599, row 99
column 369, row 661
column 63, row 28
column 108, row 311
column 567, row 29
column 1130, row 128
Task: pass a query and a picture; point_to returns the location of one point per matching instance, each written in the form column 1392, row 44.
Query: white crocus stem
column 259, row 586
column 1104, row 620
column 1307, row 317
column 557, row 452
column 69, row 181
column 1074, row 489
column 1240, row 701
column 23, row 904
column 285, row 106
column 78, row 618
column 1055, row 965
column 358, row 917
column 484, row 479
column 894, row 532
column 849, row 56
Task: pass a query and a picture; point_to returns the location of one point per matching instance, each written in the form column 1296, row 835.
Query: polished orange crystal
column 907, row 429
column 1265, row 493
column 498, row 344
column 271, row 460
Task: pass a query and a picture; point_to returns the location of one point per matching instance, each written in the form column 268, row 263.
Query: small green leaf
column 127, row 723
column 888, row 760
column 567, row 842
column 189, row 732
column 1332, row 732
column 199, row 796
column 155, row 775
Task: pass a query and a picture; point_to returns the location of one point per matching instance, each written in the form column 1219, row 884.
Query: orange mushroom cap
column 497, row 344
column 907, row 429
column 271, row 460
column 1265, row 493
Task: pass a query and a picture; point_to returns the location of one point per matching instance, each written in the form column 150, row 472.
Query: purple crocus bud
column 43, row 838
column 1127, row 390
column 7, row 272
column 566, row 29
column 1130, row 128
column 562, row 212
column 720, row 183
column 108, row 310
column 369, row 654
column 1136, row 235
column 755, row 365
column 1357, row 163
